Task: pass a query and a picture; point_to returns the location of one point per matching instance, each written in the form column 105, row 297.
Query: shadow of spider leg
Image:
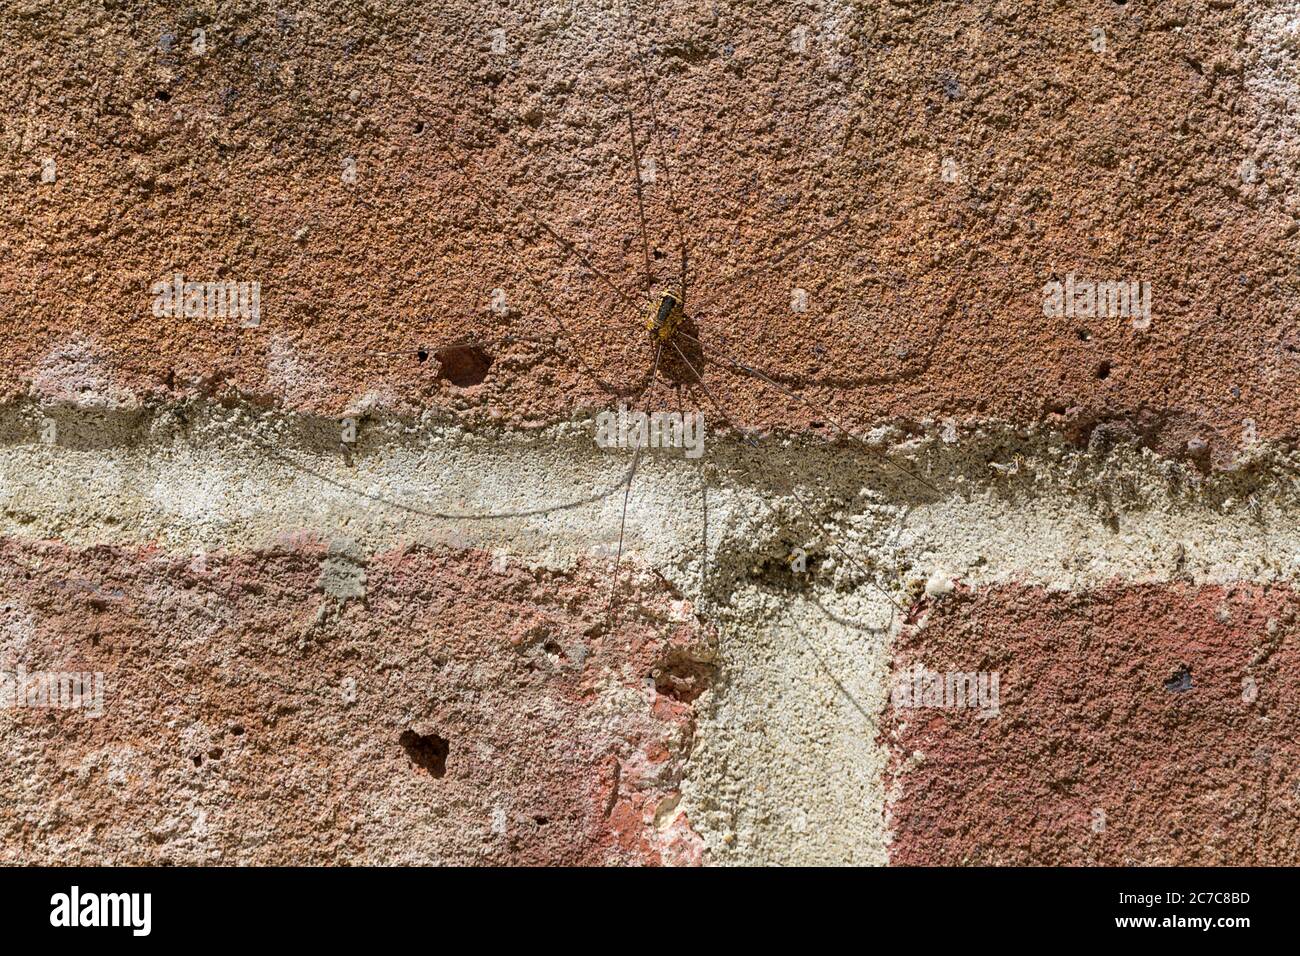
column 753, row 442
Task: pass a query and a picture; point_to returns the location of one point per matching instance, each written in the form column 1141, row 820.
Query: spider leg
column 627, row 493
column 803, row 505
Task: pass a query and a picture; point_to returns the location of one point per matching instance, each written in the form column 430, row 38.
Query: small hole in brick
column 1103, row 370
column 682, row 678
column 427, row 751
column 419, row 126
column 463, row 365
column 1181, row 681
column 237, row 730
column 215, row 753
column 198, row 760
column 422, row 355
column 163, row 95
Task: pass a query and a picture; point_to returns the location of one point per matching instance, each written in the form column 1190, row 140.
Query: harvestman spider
column 667, row 320
column 671, row 331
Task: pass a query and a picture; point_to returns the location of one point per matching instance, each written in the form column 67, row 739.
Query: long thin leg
column 772, row 263
column 280, row 456
column 567, row 246
column 544, row 296
column 790, row 393
column 462, row 167
column 753, row 443
column 627, row 493
column 704, row 508
column 640, row 205
column 649, row 88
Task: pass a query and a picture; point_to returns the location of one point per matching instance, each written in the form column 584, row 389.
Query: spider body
column 664, row 317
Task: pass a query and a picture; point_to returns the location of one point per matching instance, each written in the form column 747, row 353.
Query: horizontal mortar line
column 229, row 495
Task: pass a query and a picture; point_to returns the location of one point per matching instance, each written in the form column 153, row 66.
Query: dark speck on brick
column 1181, row 681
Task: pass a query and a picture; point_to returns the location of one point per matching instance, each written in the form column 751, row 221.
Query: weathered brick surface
column 459, row 211
column 1101, row 752
column 1167, row 157
column 251, row 716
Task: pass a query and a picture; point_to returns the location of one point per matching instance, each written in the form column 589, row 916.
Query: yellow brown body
column 664, row 317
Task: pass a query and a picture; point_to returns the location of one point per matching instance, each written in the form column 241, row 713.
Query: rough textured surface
column 440, row 708
column 1168, row 157
column 1144, row 726
column 455, row 218
column 786, row 760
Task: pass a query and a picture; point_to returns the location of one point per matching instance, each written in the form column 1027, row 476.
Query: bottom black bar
column 333, row 906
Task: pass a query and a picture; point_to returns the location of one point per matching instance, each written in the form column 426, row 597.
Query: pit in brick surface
column 427, row 751
column 463, row 365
